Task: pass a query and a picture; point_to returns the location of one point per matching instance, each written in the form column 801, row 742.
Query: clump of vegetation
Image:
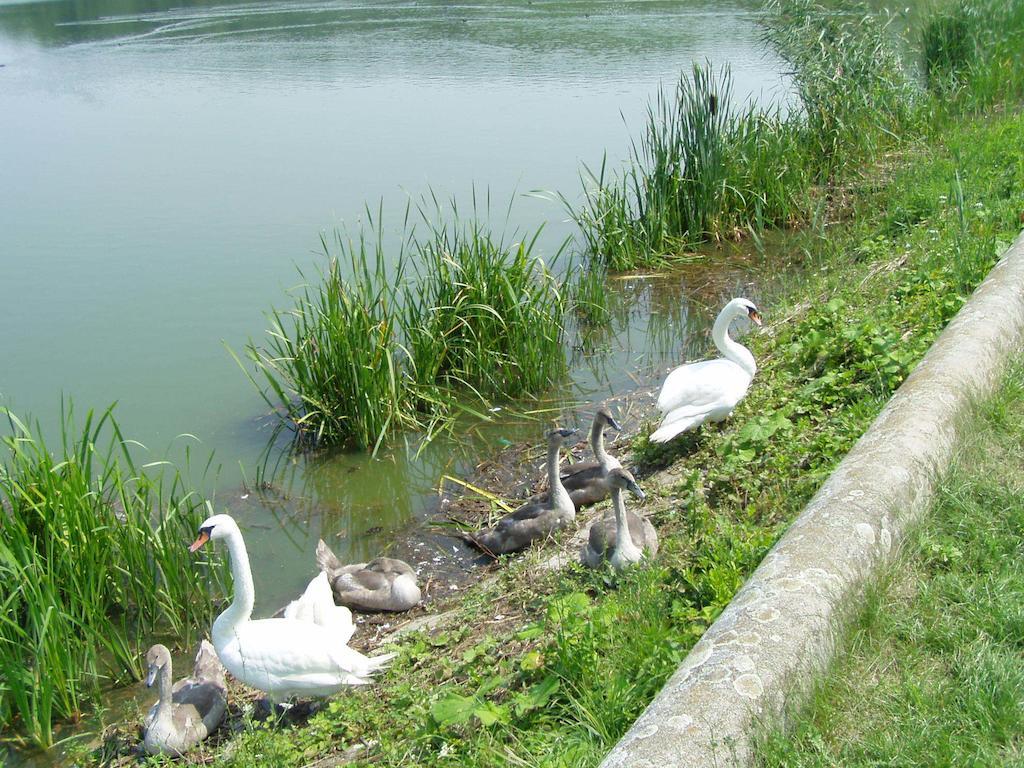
column 94, row 561
column 399, row 343
column 973, row 53
column 854, row 91
column 700, row 170
column 705, row 169
column 947, row 44
column 332, row 365
column 484, row 315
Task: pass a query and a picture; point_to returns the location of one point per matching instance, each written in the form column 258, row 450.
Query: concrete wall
column 780, row 628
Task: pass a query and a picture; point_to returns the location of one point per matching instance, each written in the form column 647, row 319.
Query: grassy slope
column 550, row 669
column 933, row 673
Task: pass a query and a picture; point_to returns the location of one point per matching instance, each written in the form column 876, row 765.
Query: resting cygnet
column 383, row 584
column 626, row 537
column 586, row 481
column 191, row 710
column 537, row 518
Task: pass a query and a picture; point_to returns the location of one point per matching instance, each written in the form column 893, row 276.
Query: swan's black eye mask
column 202, row 538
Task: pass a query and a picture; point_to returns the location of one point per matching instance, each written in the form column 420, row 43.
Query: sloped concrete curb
column 780, row 628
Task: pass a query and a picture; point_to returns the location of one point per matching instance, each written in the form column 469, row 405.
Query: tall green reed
column 854, row 91
column 94, row 560
column 704, row 169
column 457, row 315
column 947, row 47
column 973, row 53
column 333, row 364
column 484, row 315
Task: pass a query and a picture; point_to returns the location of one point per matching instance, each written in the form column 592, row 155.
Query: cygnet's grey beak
column 568, row 432
column 636, row 491
column 614, row 424
column 151, row 675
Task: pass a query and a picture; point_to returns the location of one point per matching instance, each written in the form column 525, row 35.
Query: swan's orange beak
column 201, row 539
column 755, row 316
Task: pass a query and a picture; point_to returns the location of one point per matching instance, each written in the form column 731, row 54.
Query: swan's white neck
column 625, row 550
column 597, row 442
column 559, row 496
column 241, row 606
column 730, row 349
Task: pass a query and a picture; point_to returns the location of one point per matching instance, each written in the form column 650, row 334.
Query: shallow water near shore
column 167, row 166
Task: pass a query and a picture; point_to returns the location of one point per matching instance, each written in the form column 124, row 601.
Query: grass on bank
column 456, row 317
column 932, row 672
column 94, row 564
column 549, row 669
column 706, row 169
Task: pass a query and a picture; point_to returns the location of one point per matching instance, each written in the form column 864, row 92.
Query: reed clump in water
column 483, row 315
column 701, row 170
column 93, row 562
column 333, row 364
column 401, row 343
column 706, row 169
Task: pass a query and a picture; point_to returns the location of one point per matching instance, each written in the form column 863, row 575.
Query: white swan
column 316, row 604
column 281, row 657
column 711, row 389
column 191, row 710
column 616, row 539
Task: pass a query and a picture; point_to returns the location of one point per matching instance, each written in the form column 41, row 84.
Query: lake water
column 166, row 166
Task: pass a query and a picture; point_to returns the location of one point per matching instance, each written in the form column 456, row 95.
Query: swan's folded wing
column 528, row 511
column 365, row 579
column 207, row 666
column 579, row 468
column 390, row 565
column 698, row 387
column 316, row 598
column 602, row 536
column 201, row 699
column 286, row 648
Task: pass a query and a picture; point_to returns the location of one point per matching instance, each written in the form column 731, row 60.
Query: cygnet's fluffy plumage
column 623, row 537
column 586, row 481
column 191, row 709
column 383, row 584
column 538, row 518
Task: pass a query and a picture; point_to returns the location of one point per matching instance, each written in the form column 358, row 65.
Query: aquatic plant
column 703, row 169
column 333, row 364
column 455, row 316
column 854, row 91
column 483, row 315
column 94, row 561
column 706, row 168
